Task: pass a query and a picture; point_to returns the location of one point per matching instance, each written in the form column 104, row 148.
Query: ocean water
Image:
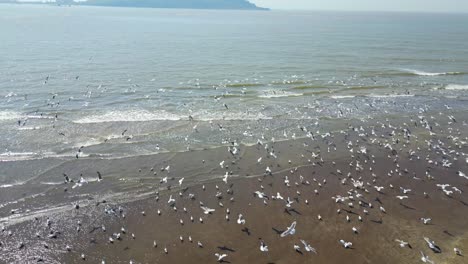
column 121, row 82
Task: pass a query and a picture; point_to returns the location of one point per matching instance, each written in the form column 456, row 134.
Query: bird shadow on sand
column 224, row 248
column 246, row 230
column 448, row 233
column 288, row 211
column 278, row 232
column 350, row 212
column 377, row 199
column 407, row 206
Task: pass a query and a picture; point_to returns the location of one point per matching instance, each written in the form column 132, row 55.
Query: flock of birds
column 397, row 141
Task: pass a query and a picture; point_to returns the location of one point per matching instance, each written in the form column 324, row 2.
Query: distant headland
column 189, row 4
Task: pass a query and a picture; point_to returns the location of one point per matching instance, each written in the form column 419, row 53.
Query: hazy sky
column 369, row 5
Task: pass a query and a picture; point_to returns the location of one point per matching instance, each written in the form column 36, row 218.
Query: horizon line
column 261, row 8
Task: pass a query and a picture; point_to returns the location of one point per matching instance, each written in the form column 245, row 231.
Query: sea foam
column 456, row 87
column 423, row 73
column 128, row 116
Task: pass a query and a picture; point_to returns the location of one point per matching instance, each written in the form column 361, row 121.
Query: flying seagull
column 290, row 231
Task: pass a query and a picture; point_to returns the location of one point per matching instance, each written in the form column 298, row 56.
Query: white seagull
column 290, row 231
column 263, row 246
column 432, row 245
column 207, row 210
column 240, row 220
column 425, row 258
column 461, row 174
column 402, row 243
column 346, row 244
column 425, row 220
column 171, row 200
column 307, row 247
column 220, row 257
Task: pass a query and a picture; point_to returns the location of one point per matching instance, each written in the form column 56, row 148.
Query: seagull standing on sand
column 346, row 244
column 225, row 177
column 263, row 246
column 241, row 220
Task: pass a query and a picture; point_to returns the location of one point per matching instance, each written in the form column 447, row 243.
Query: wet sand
column 328, row 166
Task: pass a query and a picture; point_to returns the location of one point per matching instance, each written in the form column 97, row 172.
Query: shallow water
column 105, row 70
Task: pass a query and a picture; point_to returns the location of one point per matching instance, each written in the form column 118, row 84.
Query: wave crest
column 128, row 116
column 423, row 73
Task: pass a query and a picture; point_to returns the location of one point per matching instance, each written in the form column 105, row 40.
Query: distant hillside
column 192, row 4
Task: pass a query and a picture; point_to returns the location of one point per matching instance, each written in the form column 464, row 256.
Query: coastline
column 375, row 241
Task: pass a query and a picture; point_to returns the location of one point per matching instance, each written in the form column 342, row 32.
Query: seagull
column 346, row 244
column 290, row 231
column 405, row 191
column 402, row 197
column 220, row 257
column 379, row 188
column 457, row 251
column 180, row 181
column 443, row 186
column 461, row 174
column 263, row 246
column 425, row 258
column 432, row 245
column 307, row 247
column 278, row 196
column 225, row 177
column 171, row 200
column 207, row 210
column 297, row 248
column 425, row 220
column 382, row 209
column 240, row 220
column 402, row 243
column 260, row 195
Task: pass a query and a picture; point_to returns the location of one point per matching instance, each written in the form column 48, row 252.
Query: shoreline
column 329, row 158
